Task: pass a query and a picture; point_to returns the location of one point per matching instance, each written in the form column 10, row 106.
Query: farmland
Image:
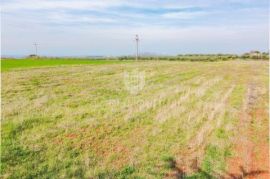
column 90, row 119
column 9, row 64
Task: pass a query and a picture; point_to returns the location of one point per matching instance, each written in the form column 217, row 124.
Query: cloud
column 183, row 15
column 107, row 27
column 48, row 4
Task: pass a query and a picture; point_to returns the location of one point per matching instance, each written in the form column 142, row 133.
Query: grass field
column 184, row 119
column 10, row 64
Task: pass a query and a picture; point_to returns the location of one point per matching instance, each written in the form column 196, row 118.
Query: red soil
column 252, row 160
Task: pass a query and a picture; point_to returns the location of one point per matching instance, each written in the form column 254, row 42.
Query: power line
column 36, row 47
column 137, row 46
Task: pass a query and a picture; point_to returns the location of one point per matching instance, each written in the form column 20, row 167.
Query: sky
column 108, row 27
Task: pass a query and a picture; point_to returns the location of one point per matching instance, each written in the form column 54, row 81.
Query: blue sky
column 108, row 27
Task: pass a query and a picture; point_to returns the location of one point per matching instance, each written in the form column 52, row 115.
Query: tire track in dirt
column 252, row 160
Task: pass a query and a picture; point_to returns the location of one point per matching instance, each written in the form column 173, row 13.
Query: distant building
column 254, row 55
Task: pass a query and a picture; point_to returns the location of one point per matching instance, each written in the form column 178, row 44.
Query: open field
column 177, row 119
column 10, row 64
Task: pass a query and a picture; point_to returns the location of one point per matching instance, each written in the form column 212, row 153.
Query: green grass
column 10, row 64
column 81, row 121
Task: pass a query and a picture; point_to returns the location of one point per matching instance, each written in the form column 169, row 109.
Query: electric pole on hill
column 137, row 46
column 36, row 45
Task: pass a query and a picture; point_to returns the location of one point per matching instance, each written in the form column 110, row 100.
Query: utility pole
column 36, row 45
column 137, row 46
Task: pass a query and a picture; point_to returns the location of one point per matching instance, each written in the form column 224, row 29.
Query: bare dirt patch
column 252, row 156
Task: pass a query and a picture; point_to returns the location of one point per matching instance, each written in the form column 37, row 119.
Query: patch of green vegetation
column 221, row 134
column 125, row 172
column 10, row 64
column 169, row 161
column 237, row 96
column 214, row 160
column 214, row 163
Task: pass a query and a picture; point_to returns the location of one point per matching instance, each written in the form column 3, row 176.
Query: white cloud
column 66, row 27
column 183, row 15
column 47, row 4
column 64, row 18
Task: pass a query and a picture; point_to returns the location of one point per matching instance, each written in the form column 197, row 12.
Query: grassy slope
column 9, row 64
column 82, row 122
